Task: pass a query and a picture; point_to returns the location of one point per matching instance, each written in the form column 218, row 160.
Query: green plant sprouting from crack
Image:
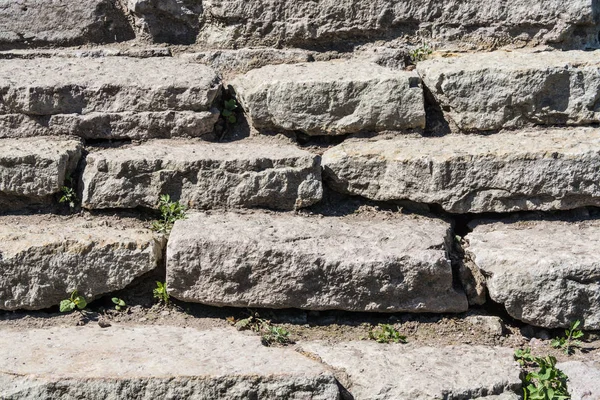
column 69, row 194
column 570, row 341
column 541, row 379
column 229, row 107
column 420, row 53
column 120, row 304
column 160, row 293
column 386, row 333
column 75, row 301
column 270, row 334
column 170, row 211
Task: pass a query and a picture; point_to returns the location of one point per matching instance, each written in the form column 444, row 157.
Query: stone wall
column 487, row 151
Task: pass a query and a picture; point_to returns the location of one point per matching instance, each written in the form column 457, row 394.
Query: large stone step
column 373, row 371
column 44, row 258
column 160, row 362
column 320, row 23
column 248, row 173
column 546, row 273
column 33, row 170
column 331, row 98
column 381, row 263
column 489, row 91
column 533, row 170
column 107, row 97
column 47, row 22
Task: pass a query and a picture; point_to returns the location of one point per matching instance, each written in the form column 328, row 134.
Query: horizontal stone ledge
column 324, row 23
column 407, row 372
column 43, row 22
column 556, row 169
column 248, row 173
column 101, row 125
column 546, row 273
column 331, row 98
column 34, row 169
column 584, row 377
column 380, row 264
column 512, row 89
column 110, row 84
column 155, row 362
column 46, row 257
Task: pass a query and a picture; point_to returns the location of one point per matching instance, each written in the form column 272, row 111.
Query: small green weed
column 68, row 194
column 542, row 380
column 170, row 211
column 270, row 334
column 229, row 107
column 120, row 304
column 570, row 341
column 160, row 292
column 75, row 301
column 386, row 333
column 420, row 53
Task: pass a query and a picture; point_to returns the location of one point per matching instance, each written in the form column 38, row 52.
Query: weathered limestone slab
column 331, row 98
column 238, row 23
column 202, row 175
column 110, row 84
column 546, row 273
column 47, row 22
column 171, row 21
column 404, row 372
column 584, row 378
column 44, row 258
column 124, row 125
column 294, row 261
column 35, row 168
column 488, row 91
column 155, row 362
column 534, row 170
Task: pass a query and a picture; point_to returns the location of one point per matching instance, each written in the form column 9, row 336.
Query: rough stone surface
column 202, row 175
column 159, row 362
column 90, row 52
column 403, row 372
column 244, row 60
column 35, row 168
column 111, row 84
column 331, row 98
column 171, row 21
column 584, row 378
column 44, row 258
column 125, row 125
column 546, row 273
column 47, row 22
column 237, row 23
column 488, row 91
column 534, row 170
column 289, row 261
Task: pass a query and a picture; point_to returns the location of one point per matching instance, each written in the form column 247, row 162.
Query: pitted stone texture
column 202, row 175
column 535, row 170
column 48, row 22
column 111, row 84
column 331, row 98
column 316, row 263
column 159, row 362
column 584, row 378
column 404, row 372
column 546, row 273
column 489, row 91
column 44, row 258
column 36, row 168
column 125, row 125
column 239, row 23
column 171, row 21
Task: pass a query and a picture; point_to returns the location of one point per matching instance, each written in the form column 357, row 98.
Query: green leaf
column 80, row 302
column 67, row 305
